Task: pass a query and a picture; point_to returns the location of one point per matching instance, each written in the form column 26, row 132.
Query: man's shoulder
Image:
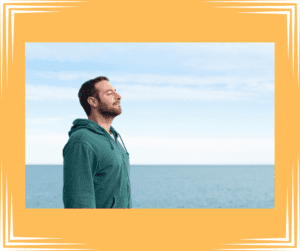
column 81, row 134
column 75, row 139
column 85, row 136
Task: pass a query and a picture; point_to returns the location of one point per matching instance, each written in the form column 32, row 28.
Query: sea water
column 170, row 186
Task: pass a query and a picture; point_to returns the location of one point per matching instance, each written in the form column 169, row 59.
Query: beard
column 109, row 110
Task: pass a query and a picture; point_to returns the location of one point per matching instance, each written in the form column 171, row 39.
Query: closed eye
column 110, row 92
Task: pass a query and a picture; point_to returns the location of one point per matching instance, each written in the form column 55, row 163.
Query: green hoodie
column 96, row 168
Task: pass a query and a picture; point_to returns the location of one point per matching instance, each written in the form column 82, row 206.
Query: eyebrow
column 109, row 90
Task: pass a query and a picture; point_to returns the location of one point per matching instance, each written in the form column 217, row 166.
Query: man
column 96, row 166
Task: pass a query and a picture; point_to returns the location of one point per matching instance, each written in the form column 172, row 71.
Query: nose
column 118, row 96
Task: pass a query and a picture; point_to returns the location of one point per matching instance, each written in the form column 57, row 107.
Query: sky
column 182, row 103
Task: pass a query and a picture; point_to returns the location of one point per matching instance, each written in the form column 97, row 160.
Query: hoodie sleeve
column 78, row 187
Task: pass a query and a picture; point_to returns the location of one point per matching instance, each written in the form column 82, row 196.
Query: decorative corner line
column 7, row 24
column 291, row 19
column 6, row 236
column 285, row 243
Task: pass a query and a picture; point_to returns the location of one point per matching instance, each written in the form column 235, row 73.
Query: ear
column 92, row 101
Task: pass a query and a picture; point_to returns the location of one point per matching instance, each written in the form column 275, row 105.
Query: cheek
column 107, row 101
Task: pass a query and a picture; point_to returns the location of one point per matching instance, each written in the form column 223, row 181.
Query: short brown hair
column 88, row 89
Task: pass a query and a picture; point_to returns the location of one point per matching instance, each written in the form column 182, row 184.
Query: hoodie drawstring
column 111, row 146
column 123, row 144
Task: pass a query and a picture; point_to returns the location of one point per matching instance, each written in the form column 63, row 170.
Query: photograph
column 149, row 125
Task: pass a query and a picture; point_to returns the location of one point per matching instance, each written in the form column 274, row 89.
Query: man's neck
column 102, row 121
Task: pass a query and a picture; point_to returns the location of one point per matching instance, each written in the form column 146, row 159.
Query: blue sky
column 183, row 103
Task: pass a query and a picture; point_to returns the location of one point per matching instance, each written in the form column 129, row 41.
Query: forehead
column 104, row 85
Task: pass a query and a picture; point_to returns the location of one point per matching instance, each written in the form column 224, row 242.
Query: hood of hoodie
column 94, row 127
column 79, row 124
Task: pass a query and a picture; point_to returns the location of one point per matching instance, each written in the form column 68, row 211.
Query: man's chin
column 119, row 112
column 111, row 113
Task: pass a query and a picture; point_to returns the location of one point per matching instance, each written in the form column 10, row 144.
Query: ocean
column 169, row 186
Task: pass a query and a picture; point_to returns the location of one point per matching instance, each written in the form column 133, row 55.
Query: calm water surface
column 155, row 186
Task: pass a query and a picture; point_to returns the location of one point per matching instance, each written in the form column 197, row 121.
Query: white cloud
column 146, row 150
column 47, row 149
column 159, row 79
column 35, row 130
column 155, row 86
column 142, row 92
column 44, row 148
column 42, row 121
column 138, row 92
column 80, row 52
column 188, row 80
column 64, row 75
column 48, row 92
column 213, row 48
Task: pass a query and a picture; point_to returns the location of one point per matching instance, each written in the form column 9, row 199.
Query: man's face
column 108, row 99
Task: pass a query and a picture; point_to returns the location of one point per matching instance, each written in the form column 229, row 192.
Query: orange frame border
column 143, row 229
